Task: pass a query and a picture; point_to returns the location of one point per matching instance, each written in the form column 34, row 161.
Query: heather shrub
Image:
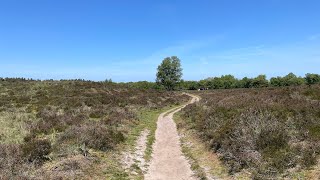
column 10, row 161
column 312, row 93
column 94, row 135
column 308, row 156
column 50, row 120
column 36, row 150
column 71, row 165
column 97, row 114
column 267, row 131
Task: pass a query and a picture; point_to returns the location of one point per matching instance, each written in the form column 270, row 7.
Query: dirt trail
column 167, row 160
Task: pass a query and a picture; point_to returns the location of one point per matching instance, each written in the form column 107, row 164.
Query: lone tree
column 169, row 72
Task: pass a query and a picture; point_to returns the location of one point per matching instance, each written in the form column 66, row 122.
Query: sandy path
column 167, row 160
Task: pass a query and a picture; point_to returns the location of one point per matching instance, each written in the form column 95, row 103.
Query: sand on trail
column 137, row 156
column 167, row 161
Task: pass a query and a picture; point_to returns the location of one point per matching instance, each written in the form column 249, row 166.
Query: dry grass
column 13, row 126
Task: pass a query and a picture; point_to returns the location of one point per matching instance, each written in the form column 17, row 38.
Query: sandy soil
column 137, row 157
column 167, row 160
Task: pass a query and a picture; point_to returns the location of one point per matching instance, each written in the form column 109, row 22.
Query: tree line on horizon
column 222, row 82
column 170, row 72
column 230, row 82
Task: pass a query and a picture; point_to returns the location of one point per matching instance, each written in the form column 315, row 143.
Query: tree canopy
column 312, row 78
column 169, row 72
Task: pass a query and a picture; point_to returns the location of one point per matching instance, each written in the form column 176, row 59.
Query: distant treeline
column 8, row 79
column 223, row 82
column 229, row 82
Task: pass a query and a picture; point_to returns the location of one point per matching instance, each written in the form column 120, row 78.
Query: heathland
column 269, row 132
column 70, row 129
column 95, row 130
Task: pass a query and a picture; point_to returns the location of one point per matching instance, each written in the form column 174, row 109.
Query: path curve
column 167, row 161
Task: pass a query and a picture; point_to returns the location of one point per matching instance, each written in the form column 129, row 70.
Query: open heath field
column 67, row 129
column 268, row 132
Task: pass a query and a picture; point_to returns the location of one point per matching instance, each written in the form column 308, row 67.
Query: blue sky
column 125, row 40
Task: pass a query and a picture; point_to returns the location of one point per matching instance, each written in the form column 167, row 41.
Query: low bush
column 93, row 135
column 10, row 161
column 36, row 150
column 267, row 131
column 49, row 121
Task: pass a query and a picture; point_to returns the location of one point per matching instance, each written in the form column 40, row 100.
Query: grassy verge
column 12, row 126
column 204, row 163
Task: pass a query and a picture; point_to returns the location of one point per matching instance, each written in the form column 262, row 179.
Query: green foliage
column 245, row 83
column 189, row 85
column 169, row 72
column 230, row 82
column 260, row 81
column 108, row 81
column 224, row 82
column 312, row 79
column 288, row 80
